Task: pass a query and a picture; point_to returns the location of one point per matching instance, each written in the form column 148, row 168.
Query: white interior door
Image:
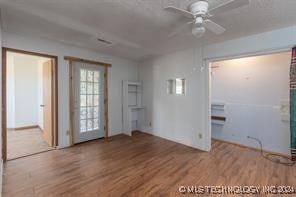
column 89, row 105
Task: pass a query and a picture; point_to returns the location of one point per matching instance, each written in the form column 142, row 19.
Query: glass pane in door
column 89, row 100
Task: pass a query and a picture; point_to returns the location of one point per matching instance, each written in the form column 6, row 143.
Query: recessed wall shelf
column 218, row 115
column 218, row 106
column 136, row 107
column 133, row 112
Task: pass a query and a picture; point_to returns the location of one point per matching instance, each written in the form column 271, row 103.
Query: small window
column 180, row 86
column 176, row 86
column 171, row 86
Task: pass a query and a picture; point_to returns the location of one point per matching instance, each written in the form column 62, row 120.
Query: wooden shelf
column 136, row 107
column 136, row 92
column 134, row 83
column 219, row 118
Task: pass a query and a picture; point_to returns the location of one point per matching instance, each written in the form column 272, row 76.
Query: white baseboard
column 196, row 146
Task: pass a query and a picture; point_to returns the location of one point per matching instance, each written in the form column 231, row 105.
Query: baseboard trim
column 24, row 128
column 250, row 147
column 173, row 140
column 32, row 154
column 137, row 130
column 224, row 141
column 38, row 126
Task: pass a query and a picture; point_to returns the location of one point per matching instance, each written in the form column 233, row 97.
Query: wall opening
column 250, row 97
column 29, row 103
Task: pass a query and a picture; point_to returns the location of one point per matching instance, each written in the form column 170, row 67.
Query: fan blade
column 227, row 6
column 179, row 29
column 214, row 27
column 179, row 11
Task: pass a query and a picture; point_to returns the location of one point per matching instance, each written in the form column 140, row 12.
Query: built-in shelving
column 133, row 112
column 218, row 112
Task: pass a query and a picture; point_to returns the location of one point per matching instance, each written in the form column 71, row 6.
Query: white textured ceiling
column 138, row 28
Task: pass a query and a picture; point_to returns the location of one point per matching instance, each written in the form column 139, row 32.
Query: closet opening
column 250, row 102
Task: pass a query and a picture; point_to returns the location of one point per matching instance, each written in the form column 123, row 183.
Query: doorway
column 89, row 105
column 29, row 94
column 250, row 99
column 88, row 99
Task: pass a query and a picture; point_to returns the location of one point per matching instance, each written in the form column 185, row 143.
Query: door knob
column 42, row 105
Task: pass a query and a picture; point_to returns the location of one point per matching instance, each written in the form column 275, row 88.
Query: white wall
column 175, row 117
column 26, row 91
column 23, row 90
column 10, row 92
column 173, row 64
column 182, row 119
column 122, row 69
column 255, row 91
column 252, row 45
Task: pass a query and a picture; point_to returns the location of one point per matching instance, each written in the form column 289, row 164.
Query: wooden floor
column 25, row 142
column 141, row 165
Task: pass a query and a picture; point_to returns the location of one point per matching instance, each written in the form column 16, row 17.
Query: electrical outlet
column 67, row 132
column 200, row 136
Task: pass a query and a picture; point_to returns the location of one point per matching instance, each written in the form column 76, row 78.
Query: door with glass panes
column 89, row 106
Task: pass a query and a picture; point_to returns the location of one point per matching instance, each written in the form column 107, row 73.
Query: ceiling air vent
column 105, row 42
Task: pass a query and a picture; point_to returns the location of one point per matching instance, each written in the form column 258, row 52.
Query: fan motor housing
column 199, row 7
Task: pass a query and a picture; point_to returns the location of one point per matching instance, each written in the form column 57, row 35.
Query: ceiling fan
column 200, row 15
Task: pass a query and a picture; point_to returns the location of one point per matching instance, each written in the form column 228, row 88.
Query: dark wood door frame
column 4, row 101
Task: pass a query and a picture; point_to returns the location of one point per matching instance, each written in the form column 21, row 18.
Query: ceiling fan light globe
column 198, row 20
column 198, row 31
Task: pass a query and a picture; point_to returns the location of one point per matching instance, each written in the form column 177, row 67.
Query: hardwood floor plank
column 141, row 165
